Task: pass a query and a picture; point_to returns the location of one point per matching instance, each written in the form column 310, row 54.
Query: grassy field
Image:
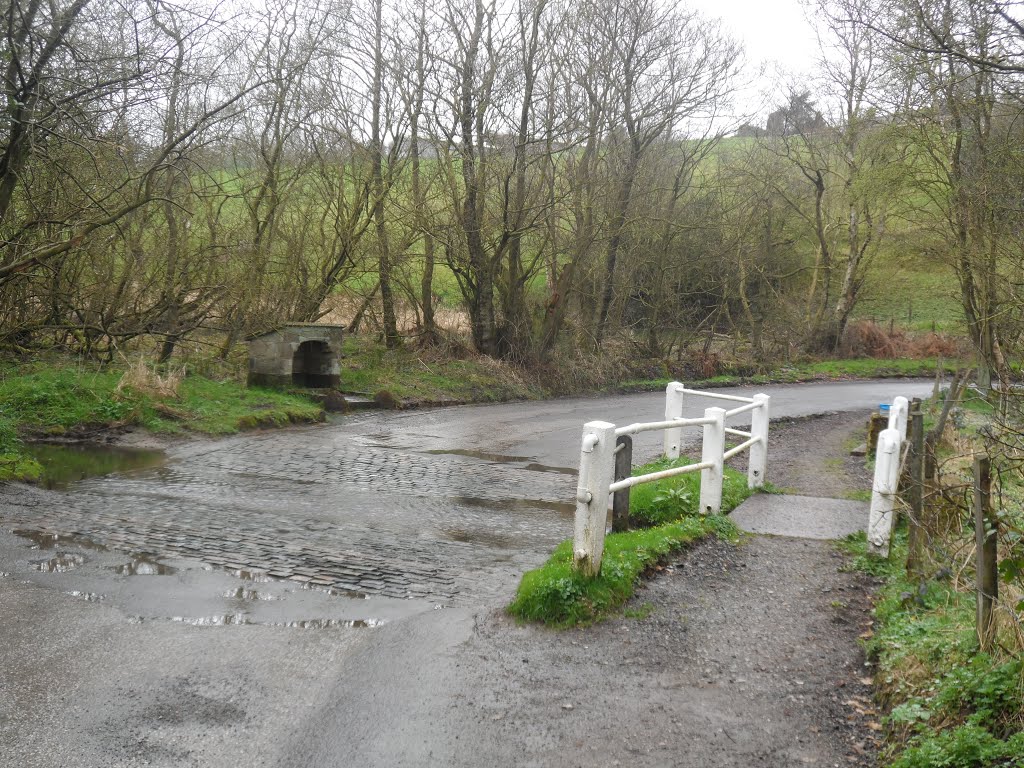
column 912, row 293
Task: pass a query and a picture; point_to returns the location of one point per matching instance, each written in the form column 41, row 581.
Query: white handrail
column 716, row 395
column 743, row 409
column 740, row 448
column 597, row 459
column 652, row 426
column 629, row 482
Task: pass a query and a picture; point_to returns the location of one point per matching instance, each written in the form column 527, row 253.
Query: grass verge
column 59, row 400
column 430, row 377
column 949, row 705
column 673, row 498
column 556, row 595
column 823, row 370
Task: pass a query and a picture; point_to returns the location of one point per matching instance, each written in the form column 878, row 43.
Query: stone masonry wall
column 271, row 355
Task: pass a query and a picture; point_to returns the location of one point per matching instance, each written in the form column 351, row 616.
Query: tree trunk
column 612, row 252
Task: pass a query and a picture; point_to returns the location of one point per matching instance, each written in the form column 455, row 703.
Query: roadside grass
column 58, row 399
column 407, row 375
column 556, row 595
column 225, row 407
column 822, row 370
column 668, row 500
column 950, row 705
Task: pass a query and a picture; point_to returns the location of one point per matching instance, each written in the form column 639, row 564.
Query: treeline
column 180, row 170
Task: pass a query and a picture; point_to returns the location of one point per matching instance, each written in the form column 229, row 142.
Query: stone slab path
column 804, row 517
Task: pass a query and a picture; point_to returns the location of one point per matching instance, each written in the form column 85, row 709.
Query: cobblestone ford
column 443, row 505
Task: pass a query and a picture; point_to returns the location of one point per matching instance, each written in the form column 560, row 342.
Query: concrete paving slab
column 802, row 517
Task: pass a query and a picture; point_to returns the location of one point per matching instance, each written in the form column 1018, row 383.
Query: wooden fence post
column 915, row 529
column 623, row 469
column 876, row 424
column 986, row 537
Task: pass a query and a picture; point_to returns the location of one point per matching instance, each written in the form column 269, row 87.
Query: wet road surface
column 443, row 505
column 118, row 587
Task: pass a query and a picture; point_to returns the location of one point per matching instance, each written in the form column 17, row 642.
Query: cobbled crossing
column 327, row 508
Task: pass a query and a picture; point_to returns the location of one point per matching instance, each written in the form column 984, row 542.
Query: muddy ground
column 731, row 655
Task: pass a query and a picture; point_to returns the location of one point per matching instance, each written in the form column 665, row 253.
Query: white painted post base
column 757, row 464
column 673, row 410
column 883, row 493
column 597, row 469
column 899, row 416
column 712, row 453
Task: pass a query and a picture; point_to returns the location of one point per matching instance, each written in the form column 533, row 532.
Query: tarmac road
column 408, row 526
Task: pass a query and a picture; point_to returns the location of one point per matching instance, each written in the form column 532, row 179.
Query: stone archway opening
column 312, row 364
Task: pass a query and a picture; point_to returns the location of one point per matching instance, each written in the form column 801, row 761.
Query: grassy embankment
column 949, row 705
column 57, row 399
column 417, row 378
column 823, row 370
column 667, row 519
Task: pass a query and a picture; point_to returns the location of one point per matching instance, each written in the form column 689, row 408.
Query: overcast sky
column 774, row 32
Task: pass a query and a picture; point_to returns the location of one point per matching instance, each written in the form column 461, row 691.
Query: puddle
column 483, row 455
column 66, row 464
column 62, row 562
column 518, row 505
column 143, row 566
column 555, row 470
column 479, row 537
column 500, row 458
column 240, row 619
column 48, row 540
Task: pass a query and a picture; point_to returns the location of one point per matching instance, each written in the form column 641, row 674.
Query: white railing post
column 899, row 414
column 712, row 454
column 883, row 492
column 757, row 464
column 597, row 468
column 673, row 410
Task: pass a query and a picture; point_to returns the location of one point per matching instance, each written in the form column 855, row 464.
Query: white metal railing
column 597, row 475
column 887, row 475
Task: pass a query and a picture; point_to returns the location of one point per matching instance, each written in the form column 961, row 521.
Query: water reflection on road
column 442, row 506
